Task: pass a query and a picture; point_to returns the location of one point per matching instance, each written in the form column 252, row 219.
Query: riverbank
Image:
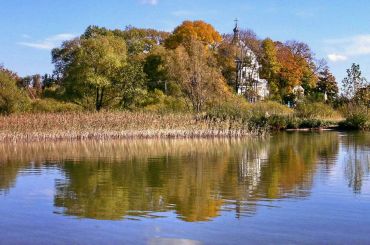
column 39, row 127
column 116, row 125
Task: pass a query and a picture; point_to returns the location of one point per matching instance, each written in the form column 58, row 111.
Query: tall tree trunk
column 97, row 107
column 99, row 98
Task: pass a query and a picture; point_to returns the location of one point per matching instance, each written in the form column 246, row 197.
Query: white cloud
column 337, row 57
column 343, row 48
column 150, row 2
column 49, row 42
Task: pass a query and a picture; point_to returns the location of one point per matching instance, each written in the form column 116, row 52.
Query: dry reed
column 114, row 125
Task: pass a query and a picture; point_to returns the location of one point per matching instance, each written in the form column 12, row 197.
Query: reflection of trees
column 284, row 166
column 11, row 168
column 8, row 174
column 356, row 159
column 292, row 162
column 110, row 191
column 195, row 178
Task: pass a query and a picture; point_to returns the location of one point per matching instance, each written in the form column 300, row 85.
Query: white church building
column 248, row 81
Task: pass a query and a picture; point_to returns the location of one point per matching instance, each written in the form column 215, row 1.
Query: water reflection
column 194, row 178
column 357, row 159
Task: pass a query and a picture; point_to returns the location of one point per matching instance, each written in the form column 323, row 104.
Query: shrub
column 293, row 123
column 271, row 108
column 157, row 101
column 316, row 110
column 277, row 122
column 12, row 99
column 358, row 121
column 234, row 108
column 51, row 105
column 357, row 116
column 260, row 123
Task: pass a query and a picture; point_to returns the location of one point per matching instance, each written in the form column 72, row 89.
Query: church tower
column 239, row 56
column 236, row 38
column 247, row 80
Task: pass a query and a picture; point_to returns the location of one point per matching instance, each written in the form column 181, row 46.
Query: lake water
column 288, row 188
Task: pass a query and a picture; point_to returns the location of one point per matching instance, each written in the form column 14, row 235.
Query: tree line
column 191, row 69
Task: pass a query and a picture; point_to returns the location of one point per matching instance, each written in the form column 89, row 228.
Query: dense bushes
column 51, row 105
column 357, row 117
column 316, row 110
column 157, row 101
column 279, row 122
column 235, row 108
column 271, row 108
column 12, row 99
column 272, row 116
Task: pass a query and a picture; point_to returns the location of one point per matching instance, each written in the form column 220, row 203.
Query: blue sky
column 338, row 30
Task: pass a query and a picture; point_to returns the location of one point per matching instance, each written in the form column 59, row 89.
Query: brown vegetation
column 114, row 125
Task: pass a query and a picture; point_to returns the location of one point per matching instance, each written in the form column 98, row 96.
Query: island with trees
column 192, row 82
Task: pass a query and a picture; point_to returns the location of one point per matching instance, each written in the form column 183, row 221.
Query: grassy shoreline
column 72, row 126
column 115, row 125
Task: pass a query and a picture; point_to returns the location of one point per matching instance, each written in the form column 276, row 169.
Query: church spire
column 236, row 32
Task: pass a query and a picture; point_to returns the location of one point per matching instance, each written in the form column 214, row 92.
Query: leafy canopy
column 193, row 30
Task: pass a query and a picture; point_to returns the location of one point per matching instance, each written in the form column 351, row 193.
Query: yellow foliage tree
column 193, row 30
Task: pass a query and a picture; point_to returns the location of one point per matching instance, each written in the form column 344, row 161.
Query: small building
column 298, row 92
column 248, row 81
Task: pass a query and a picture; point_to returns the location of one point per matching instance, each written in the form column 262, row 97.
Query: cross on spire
column 236, row 31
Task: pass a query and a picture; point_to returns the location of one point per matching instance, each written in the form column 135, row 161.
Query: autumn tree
column 226, row 55
column 291, row 72
column 306, row 64
column 270, row 66
column 327, row 85
column 195, row 69
column 193, row 30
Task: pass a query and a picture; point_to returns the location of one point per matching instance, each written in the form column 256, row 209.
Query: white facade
column 248, row 81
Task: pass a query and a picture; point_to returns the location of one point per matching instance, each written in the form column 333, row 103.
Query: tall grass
column 115, row 125
column 317, row 110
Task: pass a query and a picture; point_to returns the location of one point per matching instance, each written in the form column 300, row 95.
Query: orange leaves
column 291, row 71
column 193, row 30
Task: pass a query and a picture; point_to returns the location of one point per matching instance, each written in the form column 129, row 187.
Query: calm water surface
column 289, row 188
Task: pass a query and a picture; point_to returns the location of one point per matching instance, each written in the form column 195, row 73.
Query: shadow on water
column 197, row 179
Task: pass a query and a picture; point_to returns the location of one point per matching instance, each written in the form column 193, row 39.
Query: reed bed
column 115, row 125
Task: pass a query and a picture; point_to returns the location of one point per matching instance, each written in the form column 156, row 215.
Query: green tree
column 142, row 41
column 154, row 68
column 353, row 83
column 89, row 68
column 12, row 98
column 130, row 84
column 327, row 85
